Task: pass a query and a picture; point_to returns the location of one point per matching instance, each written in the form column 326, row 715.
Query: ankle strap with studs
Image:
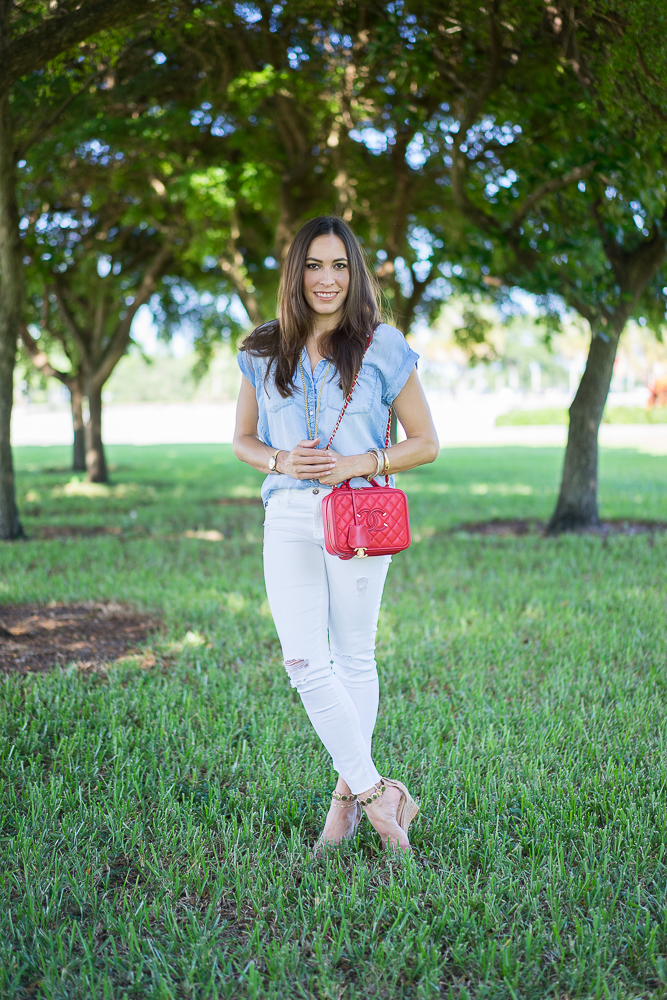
column 374, row 796
column 343, row 801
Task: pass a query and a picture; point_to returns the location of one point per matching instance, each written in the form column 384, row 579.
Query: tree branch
column 70, row 323
column 489, row 82
column 99, row 319
column 117, row 346
column 459, row 171
column 44, row 127
column 34, row 49
column 39, row 358
column 404, row 187
column 548, row 188
column 645, row 71
column 232, row 267
column 612, row 248
column 647, row 100
column 418, row 288
column 445, row 71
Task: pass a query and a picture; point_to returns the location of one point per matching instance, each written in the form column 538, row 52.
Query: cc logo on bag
column 374, row 519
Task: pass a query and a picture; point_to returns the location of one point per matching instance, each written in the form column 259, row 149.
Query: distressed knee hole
column 362, row 585
column 295, row 670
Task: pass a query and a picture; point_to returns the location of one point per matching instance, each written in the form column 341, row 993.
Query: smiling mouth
column 326, row 296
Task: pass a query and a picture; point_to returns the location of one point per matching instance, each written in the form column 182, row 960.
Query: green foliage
column 253, row 120
column 635, row 415
column 104, row 196
column 472, row 335
column 559, row 415
column 156, row 820
column 550, row 415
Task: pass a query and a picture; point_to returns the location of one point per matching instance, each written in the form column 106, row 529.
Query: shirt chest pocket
column 272, row 399
column 363, row 397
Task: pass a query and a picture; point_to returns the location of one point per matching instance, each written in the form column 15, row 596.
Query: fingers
column 312, row 471
column 307, row 461
column 312, row 455
column 321, row 458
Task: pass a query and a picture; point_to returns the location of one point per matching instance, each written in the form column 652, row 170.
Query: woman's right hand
column 306, row 461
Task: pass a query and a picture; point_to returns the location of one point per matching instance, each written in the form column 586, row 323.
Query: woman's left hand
column 347, row 467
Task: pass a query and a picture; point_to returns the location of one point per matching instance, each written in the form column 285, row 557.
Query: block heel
column 407, row 807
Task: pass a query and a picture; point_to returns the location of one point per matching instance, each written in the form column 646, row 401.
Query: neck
column 323, row 325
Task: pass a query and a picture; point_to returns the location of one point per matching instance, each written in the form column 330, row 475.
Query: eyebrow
column 317, row 260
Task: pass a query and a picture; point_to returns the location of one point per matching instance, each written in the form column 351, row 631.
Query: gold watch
column 273, row 468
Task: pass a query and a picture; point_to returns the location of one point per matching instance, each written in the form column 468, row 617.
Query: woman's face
column 326, row 277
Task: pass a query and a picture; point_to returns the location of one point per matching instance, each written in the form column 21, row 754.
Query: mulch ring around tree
column 516, row 527
column 55, row 531
column 35, row 638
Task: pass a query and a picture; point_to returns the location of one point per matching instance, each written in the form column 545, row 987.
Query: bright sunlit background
column 515, row 388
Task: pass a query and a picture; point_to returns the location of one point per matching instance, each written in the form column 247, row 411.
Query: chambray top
column 282, row 422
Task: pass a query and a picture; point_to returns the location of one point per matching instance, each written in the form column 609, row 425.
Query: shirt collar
column 319, row 367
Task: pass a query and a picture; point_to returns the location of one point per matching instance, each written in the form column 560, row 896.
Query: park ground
column 157, row 811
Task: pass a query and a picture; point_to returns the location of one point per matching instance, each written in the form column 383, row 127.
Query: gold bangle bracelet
column 378, row 458
column 385, row 471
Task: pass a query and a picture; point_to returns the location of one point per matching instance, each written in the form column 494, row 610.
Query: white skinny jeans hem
column 326, row 610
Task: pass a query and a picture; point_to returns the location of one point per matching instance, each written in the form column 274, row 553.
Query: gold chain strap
column 311, row 436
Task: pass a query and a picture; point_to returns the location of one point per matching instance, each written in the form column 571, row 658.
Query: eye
column 340, row 265
column 311, row 266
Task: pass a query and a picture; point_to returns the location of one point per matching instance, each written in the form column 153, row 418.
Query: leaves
column 465, row 149
column 472, row 336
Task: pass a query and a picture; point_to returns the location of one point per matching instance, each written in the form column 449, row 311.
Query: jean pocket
column 275, row 506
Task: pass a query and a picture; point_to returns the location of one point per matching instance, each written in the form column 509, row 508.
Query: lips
column 326, row 296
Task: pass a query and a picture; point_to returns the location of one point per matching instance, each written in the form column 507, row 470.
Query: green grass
column 559, row 415
column 155, row 822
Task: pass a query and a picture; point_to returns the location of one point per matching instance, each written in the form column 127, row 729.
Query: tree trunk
column 95, row 458
column 11, row 299
column 79, row 445
column 577, row 505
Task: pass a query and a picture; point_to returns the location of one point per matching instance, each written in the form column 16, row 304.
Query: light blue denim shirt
column 282, row 422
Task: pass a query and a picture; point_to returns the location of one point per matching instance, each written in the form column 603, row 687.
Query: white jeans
column 326, row 612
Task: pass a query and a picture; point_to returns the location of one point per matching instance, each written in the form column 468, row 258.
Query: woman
column 297, row 372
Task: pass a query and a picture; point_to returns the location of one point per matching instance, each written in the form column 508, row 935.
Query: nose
column 328, row 278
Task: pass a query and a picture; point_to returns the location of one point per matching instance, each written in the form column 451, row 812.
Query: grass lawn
column 155, row 819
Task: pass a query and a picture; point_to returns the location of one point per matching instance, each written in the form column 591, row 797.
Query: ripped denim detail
column 295, row 670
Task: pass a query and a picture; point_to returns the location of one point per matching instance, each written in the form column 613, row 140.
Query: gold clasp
column 361, row 553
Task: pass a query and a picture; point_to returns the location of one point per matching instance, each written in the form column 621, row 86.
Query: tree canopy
column 474, row 149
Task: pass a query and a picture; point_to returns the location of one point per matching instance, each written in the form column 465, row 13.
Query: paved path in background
column 464, row 421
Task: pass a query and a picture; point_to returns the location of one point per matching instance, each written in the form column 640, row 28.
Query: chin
column 328, row 308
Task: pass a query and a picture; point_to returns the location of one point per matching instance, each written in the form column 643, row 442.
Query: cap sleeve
column 394, row 359
column 245, row 364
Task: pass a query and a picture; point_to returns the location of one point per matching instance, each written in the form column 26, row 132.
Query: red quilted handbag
column 365, row 522
column 371, row 521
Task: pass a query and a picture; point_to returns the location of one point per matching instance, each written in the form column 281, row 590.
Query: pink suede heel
column 407, row 807
column 341, row 802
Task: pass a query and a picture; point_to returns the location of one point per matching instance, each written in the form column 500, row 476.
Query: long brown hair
column 283, row 339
